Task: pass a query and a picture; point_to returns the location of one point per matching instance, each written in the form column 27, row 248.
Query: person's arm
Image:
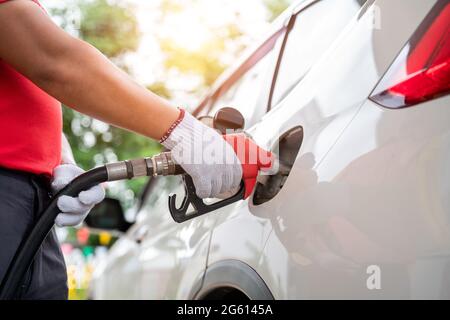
column 76, row 73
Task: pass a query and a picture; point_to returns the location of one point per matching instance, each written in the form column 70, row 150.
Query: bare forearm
column 86, row 81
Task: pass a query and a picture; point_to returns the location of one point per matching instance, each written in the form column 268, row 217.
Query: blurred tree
column 160, row 89
column 210, row 59
column 109, row 26
column 203, row 62
column 207, row 61
column 276, row 7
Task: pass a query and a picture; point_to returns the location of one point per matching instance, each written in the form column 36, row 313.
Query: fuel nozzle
column 279, row 167
column 159, row 165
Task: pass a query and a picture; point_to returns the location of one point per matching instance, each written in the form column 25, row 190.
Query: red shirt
column 30, row 124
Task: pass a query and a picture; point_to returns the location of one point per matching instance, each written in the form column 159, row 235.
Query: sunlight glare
column 185, row 31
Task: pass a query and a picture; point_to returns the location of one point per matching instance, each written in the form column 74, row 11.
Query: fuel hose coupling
column 163, row 165
column 159, row 165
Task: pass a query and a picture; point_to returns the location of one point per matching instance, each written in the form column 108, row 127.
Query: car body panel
column 327, row 235
column 370, row 200
column 370, row 186
column 326, row 104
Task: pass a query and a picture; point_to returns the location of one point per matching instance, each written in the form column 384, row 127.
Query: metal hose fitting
column 158, row 165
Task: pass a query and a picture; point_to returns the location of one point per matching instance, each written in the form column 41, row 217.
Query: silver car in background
column 354, row 95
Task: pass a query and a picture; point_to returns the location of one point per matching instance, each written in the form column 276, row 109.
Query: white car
column 354, row 95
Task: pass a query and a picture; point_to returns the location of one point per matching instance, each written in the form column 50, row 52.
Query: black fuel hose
column 18, row 267
column 158, row 165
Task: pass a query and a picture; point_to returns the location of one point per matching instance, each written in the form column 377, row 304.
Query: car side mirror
column 108, row 215
column 228, row 119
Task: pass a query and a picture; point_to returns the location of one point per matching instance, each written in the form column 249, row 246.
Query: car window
column 250, row 92
column 313, row 31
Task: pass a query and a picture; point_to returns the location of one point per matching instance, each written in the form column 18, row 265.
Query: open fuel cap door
column 286, row 149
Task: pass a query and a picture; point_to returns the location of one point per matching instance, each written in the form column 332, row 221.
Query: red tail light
column 421, row 71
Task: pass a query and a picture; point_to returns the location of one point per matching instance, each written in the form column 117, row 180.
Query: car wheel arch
column 231, row 275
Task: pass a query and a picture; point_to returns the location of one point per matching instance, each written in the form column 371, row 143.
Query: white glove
column 205, row 156
column 73, row 210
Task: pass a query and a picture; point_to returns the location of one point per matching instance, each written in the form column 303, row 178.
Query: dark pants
column 22, row 198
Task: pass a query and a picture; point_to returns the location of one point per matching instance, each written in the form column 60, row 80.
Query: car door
column 334, row 224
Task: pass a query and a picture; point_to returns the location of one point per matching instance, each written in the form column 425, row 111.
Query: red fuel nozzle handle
column 252, row 157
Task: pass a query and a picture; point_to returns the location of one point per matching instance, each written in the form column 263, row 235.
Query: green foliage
column 207, row 61
column 160, row 89
column 109, row 26
column 94, row 143
column 276, row 7
column 203, row 62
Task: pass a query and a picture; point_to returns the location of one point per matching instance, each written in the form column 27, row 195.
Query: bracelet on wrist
column 173, row 126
